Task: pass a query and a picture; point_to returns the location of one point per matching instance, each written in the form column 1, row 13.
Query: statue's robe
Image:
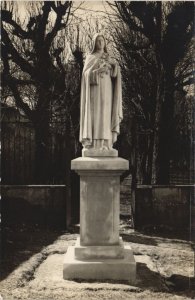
column 101, row 103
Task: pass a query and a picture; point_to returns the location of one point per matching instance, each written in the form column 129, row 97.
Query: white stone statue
column 99, row 253
column 101, row 99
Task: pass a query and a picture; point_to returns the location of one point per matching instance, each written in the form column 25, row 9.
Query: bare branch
column 19, row 102
column 60, row 11
column 127, row 17
column 56, row 54
column 17, row 30
column 24, row 65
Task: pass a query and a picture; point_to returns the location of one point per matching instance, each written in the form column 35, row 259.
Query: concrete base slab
column 102, row 269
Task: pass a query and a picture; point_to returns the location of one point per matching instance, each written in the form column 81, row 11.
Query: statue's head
column 98, row 43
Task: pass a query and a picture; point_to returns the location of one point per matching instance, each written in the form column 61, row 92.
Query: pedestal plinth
column 99, row 253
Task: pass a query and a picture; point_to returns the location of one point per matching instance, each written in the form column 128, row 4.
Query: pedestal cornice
column 99, row 163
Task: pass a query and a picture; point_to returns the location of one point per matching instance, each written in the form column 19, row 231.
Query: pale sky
column 91, row 6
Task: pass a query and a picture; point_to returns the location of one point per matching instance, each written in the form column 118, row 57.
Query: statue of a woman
column 101, row 99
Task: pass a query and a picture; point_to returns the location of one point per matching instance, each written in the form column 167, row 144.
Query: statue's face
column 100, row 43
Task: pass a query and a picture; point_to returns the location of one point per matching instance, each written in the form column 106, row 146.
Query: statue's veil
column 94, row 42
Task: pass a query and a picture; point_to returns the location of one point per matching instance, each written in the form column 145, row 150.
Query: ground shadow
column 165, row 232
column 150, row 237
column 148, row 234
column 20, row 242
column 137, row 239
column 175, row 284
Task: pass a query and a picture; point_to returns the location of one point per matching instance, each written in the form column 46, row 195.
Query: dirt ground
column 32, row 266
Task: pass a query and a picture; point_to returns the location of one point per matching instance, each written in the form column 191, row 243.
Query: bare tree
column 29, row 46
column 155, row 40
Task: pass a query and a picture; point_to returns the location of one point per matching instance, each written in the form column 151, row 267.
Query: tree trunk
column 134, row 154
column 166, row 130
column 155, row 150
column 148, row 177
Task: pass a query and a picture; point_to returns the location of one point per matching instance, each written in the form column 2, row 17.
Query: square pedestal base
column 102, row 269
column 99, row 252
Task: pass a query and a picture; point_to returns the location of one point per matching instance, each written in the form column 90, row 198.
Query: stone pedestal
column 99, row 153
column 99, row 253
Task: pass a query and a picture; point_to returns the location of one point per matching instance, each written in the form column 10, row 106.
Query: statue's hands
column 102, row 69
column 113, row 62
